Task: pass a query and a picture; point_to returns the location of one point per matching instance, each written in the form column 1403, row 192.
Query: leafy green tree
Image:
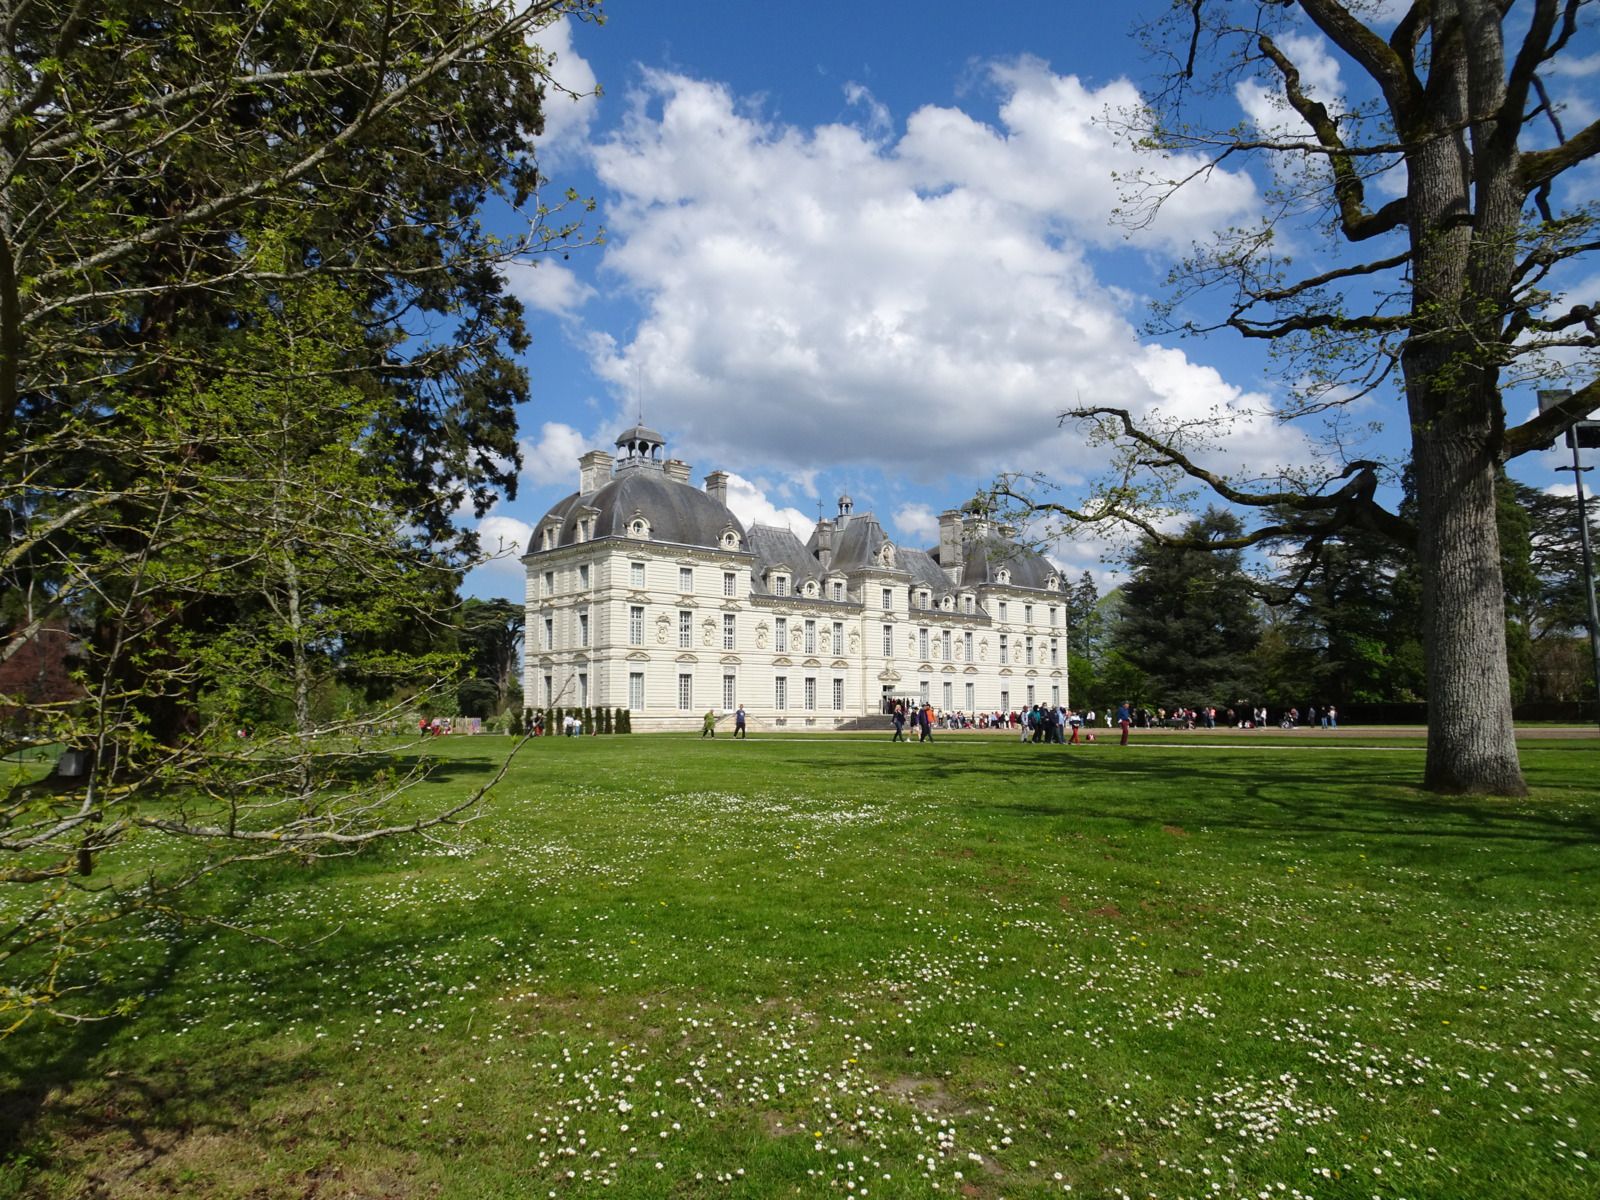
column 1432, row 200
column 1342, row 630
column 1189, row 618
column 491, row 640
column 255, row 350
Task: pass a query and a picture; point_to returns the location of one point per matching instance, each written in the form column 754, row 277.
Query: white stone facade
column 804, row 637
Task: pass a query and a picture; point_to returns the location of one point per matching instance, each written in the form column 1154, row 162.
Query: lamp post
column 1576, row 436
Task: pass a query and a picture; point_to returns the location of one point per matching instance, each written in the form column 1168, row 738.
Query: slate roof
column 773, row 546
column 679, row 513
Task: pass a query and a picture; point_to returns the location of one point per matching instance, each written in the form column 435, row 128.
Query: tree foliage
column 255, row 350
column 1188, row 619
column 1434, row 233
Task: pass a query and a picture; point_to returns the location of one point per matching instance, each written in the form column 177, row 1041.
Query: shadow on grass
column 1298, row 798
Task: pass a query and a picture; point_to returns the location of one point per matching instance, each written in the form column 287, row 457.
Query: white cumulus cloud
column 819, row 297
column 751, row 505
column 553, row 459
column 504, row 540
column 918, row 524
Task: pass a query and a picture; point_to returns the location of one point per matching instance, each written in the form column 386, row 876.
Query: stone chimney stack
column 825, row 542
column 594, row 471
column 677, row 470
column 717, row 487
column 950, row 553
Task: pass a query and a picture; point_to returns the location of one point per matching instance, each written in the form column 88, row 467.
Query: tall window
column 636, row 690
column 888, row 641
column 1053, row 615
column 922, row 643
column 838, row 589
column 972, row 698
column 730, row 691
column 1027, row 614
column 636, row 625
column 1002, row 610
column 1055, row 653
column 1055, row 695
column 686, row 691
column 966, row 645
column 780, row 585
column 1027, row 651
column 549, row 690
column 780, row 693
column 685, row 629
column 583, row 688
column 838, row 637
column 922, row 599
column 1005, row 701
column 923, row 691
column 730, row 584
column 636, row 574
column 944, row 644
column 686, row 579
column 549, row 633
column 583, row 628
column 838, row 695
column 811, row 639
column 781, row 626
column 966, row 604
column 949, row 696
column 549, row 583
column 729, row 640
column 1005, row 649
column 1031, row 701
column 888, row 598
column 583, row 575
column 811, row 694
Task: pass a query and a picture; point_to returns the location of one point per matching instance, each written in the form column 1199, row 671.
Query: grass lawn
column 662, row 967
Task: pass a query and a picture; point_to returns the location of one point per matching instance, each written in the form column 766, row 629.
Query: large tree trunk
column 1471, row 743
column 1463, row 212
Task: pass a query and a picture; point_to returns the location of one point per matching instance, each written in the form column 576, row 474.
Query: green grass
column 814, row 966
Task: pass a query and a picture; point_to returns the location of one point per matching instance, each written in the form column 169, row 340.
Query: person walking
column 899, row 720
column 925, row 723
column 738, row 724
column 1124, row 719
column 708, row 727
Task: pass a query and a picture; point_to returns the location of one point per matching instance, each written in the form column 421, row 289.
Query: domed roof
column 671, row 511
column 986, row 558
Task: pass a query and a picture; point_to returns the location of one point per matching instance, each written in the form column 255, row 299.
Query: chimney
column 824, row 535
column 950, row 556
column 594, row 470
column 677, row 470
column 717, row 487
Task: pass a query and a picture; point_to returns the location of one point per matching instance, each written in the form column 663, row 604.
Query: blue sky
column 870, row 248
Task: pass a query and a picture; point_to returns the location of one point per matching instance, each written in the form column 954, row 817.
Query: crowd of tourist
column 1057, row 723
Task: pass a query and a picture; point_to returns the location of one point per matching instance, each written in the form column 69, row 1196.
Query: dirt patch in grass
column 926, row 1095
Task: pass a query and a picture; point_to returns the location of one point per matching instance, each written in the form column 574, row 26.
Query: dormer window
column 1053, row 583
column 780, row 585
column 838, row 589
column 922, row 598
column 947, row 603
column 1003, row 575
column 811, row 588
column 639, row 528
column 730, row 540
